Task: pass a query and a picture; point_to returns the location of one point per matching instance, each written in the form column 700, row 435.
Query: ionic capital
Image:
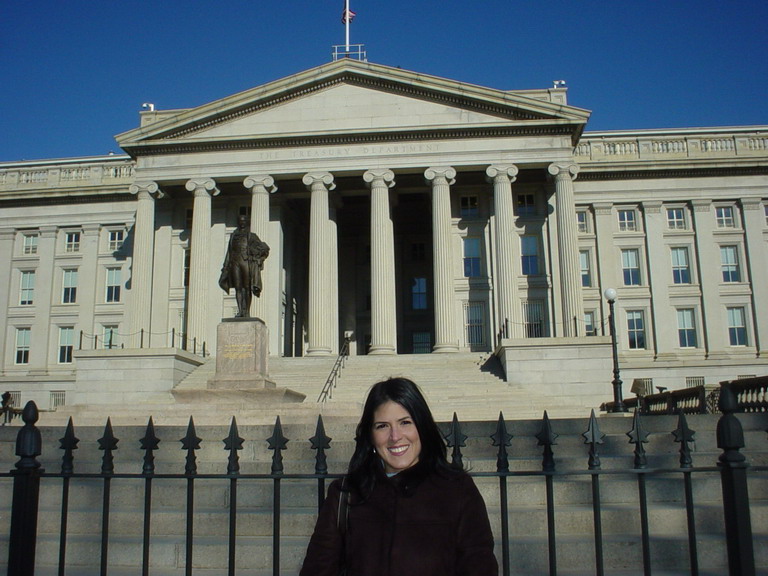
column 314, row 179
column 384, row 176
column 202, row 186
column 564, row 170
column 440, row 175
column 146, row 188
column 260, row 183
column 503, row 171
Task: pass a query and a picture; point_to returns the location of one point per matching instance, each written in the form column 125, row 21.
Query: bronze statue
column 242, row 266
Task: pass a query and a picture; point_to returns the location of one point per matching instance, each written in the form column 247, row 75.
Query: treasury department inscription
column 347, row 151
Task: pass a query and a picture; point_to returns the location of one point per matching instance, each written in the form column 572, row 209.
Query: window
column 23, row 336
column 58, row 398
column 29, row 245
column 474, row 324
column 694, row 381
column 187, row 263
column 630, row 264
column 729, row 262
column 686, row 328
column 69, row 287
column 676, row 219
column 636, row 329
column 471, row 257
column 627, row 221
column 113, row 285
column 589, row 323
column 72, row 242
column 765, row 211
column 110, row 337
column 530, row 255
column 526, row 205
column 582, row 221
column 533, row 318
column 469, row 207
column 66, row 344
column 27, row 292
column 724, row 217
column 115, row 240
column 586, row 274
column 419, row 294
column 418, row 252
column 737, row 326
column 681, row 271
column 421, row 342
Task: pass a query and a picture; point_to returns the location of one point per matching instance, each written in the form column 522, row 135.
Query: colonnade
column 323, row 311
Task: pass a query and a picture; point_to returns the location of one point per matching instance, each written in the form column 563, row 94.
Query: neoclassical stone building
column 411, row 213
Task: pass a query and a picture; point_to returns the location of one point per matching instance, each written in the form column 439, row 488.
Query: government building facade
column 405, row 213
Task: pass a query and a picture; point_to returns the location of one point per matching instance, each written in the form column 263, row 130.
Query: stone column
column 43, row 297
column 142, row 263
column 506, row 240
column 568, row 247
column 662, row 336
column 446, row 337
column 322, row 263
column 383, row 306
column 754, row 271
column 713, row 316
column 199, row 269
column 261, row 186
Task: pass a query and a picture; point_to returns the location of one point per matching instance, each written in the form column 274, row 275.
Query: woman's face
column 395, row 437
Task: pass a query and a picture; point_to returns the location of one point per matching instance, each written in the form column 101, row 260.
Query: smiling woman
column 402, row 508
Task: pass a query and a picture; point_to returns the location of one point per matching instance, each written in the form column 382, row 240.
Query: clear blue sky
column 74, row 73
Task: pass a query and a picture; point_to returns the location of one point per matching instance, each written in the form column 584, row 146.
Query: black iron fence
column 731, row 467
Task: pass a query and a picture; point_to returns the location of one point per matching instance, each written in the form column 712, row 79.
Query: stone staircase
column 470, row 384
column 527, row 513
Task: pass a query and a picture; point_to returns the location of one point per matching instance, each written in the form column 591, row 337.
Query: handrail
column 330, row 383
column 750, row 396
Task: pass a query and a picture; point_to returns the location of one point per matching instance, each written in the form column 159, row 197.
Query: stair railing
column 330, row 383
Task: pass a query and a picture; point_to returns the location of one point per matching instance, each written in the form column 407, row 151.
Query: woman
column 409, row 512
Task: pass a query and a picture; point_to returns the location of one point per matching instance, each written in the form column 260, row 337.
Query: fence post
column 733, row 475
column 26, row 496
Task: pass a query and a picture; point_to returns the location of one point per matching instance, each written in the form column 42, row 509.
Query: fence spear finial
column 320, row 442
column 593, row 437
column 277, row 442
column 502, row 439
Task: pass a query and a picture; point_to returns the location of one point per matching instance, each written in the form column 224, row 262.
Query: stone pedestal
column 242, row 364
column 242, row 357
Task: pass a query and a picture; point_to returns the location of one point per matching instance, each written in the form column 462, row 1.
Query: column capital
column 701, row 204
column 202, row 186
column 260, row 183
column 386, row 176
column 324, row 178
column 146, row 187
column 564, row 170
column 751, row 203
column 436, row 173
column 508, row 171
column 652, row 206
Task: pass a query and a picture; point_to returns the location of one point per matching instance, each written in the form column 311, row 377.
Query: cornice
column 169, row 147
column 650, row 174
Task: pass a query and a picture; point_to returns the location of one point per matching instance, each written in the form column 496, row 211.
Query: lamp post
column 618, row 402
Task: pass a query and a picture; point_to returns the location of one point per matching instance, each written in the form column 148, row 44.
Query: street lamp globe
column 610, row 294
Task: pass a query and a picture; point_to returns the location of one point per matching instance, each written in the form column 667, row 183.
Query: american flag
column 347, row 15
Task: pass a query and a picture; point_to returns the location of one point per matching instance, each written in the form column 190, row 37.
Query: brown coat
column 413, row 524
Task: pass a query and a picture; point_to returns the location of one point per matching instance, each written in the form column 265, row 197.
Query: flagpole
column 347, row 19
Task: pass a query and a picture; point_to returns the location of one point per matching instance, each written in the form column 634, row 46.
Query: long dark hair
column 365, row 464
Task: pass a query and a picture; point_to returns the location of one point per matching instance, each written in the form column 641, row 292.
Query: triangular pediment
column 349, row 100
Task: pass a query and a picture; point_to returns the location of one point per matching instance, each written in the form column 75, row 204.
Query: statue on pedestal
column 242, row 266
